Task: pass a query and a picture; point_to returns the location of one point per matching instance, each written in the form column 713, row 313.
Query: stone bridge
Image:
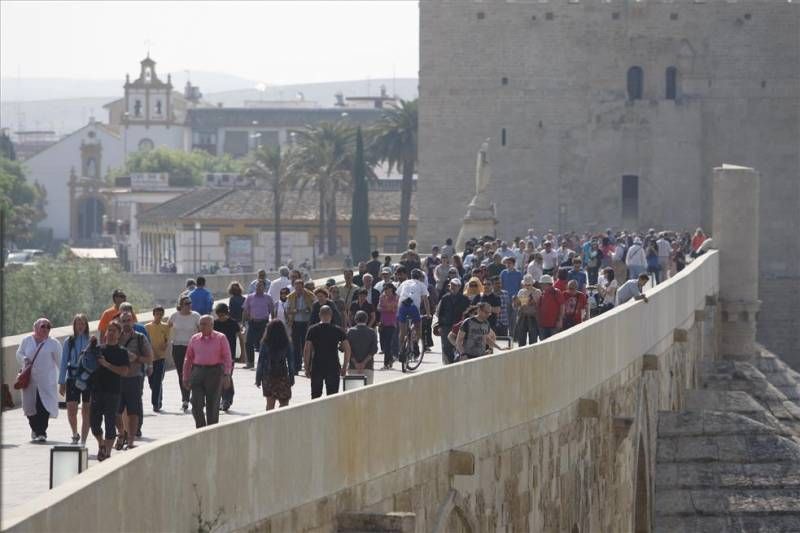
column 654, row 416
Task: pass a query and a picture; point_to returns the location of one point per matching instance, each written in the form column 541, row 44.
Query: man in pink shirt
column 206, row 369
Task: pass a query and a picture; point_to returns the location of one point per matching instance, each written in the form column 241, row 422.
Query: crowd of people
column 521, row 291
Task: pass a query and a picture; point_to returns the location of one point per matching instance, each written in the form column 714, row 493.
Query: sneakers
column 76, row 438
column 41, row 438
column 226, row 406
column 185, row 406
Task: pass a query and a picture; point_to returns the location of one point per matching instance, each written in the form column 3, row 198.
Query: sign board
column 240, row 252
column 146, row 181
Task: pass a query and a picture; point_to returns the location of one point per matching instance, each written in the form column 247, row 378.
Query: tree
column 359, row 220
column 21, row 203
column 395, row 142
column 59, row 288
column 184, row 168
column 279, row 172
column 7, row 147
column 325, row 160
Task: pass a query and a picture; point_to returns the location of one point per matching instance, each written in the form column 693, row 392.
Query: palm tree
column 325, row 153
column 395, row 142
column 278, row 170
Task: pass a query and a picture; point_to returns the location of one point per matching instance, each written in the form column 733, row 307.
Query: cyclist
column 405, row 313
column 416, row 290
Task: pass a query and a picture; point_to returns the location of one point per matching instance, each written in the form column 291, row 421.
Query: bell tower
column 148, row 99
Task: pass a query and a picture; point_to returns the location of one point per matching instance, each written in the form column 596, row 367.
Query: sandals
column 121, row 441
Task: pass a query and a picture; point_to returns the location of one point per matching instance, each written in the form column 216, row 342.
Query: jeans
column 104, row 409
column 547, row 332
column 331, row 381
column 527, row 330
column 448, row 350
column 634, row 271
column 227, row 394
column 388, row 343
column 255, row 330
column 41, row 419
column 178, row 355
column 206, row 383
column 299, row 330
column 156, row 380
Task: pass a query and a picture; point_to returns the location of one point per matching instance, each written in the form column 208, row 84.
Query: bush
column 59, row 288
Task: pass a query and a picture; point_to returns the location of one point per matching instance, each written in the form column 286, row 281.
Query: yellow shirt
column 159, row 339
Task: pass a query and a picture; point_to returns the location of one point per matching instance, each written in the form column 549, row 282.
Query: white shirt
column 183, row 327
column 630, row 289
column 276, row 286
column 413, row 289
column 636, row 256
column 535, row 270
column 664, row 247
column 549, row 259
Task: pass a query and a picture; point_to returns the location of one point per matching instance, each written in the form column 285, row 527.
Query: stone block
column 680, row 335
column 393, row 522
column 588, row 408
column 460, row 463
column 649, row 362
column 700, row 315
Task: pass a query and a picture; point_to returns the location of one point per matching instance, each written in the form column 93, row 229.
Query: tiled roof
column 247, row 204
column 243, row 117
column 183, row 205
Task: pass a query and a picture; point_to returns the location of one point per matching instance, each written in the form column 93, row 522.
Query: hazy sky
column 268, row 41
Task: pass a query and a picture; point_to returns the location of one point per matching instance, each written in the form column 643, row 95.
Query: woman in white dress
column 39, row 398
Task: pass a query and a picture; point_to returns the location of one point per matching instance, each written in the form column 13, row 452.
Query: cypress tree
column 359, row 219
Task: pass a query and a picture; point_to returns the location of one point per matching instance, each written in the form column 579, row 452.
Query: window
column 503, row 137
column 158, row 107
column 635, row 83
column 204, row 138
column 630, row 197
column 145, row 145
column 137, row 108
column 236, row 143
column 672, row 81
column 504, row 80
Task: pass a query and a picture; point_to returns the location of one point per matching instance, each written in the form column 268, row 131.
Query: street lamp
column 198, row 232
column 354, row 381
column 67, row 462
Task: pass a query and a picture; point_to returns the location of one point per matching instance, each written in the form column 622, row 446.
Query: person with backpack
column 636, row 259
column 130, row 410
column 272, row 371
column 475, row 334
column 74, row 346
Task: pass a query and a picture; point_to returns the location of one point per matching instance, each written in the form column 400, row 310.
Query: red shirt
column 574, row 304
column 550, row 307
column 561, row 284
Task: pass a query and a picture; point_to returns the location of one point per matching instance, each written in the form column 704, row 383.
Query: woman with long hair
column 473, row 290
column 70, row 366
column 272, row 372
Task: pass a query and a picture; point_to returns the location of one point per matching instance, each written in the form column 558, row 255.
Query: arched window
column 671, row 77
column 635, row 83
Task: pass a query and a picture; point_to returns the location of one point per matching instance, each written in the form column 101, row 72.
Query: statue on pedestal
column 481, row 217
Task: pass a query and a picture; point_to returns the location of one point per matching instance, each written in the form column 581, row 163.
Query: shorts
column 408, row 312
column 74, row 394
column 130, row 396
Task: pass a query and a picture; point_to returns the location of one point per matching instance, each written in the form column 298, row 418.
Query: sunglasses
column 45, row 326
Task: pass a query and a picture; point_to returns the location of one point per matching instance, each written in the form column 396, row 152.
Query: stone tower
column 612, row 114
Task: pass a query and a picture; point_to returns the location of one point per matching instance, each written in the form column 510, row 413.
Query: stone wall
column 561, row 434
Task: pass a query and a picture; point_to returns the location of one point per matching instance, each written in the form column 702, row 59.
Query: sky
column 272, row 42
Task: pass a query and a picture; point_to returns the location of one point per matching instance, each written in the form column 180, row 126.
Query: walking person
column 112, row 364
column 206, row 369
column 387, row 308
column 130, row 409
column 636, row 259
column 159, row 332
column 70, row 366
column 230, row 328
column 550, row 313
column 527, row 303
column 449, row 312
column 39, row 399
column 298, row 313
column 202, row 299
column 272, row 373
column 321, row 354
column 363, row 346
column 257, row 311
column 183, row 324
column 118, row 297
column 235, row 308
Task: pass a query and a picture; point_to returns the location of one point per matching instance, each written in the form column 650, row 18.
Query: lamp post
column 354, row 381
column 67, row 462
column 199, row 234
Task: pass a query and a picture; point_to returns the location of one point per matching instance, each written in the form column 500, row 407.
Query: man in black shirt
column 361, row 304
column 321, row 354
column 493, row 300
column 230, row 328
column 374, row 266
column 322, row 300
column 112, row 362
column 450, row 312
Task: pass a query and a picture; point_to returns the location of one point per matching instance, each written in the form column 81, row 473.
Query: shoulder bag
column 24, row 377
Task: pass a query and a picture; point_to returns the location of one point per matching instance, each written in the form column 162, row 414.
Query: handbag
column 24, row 376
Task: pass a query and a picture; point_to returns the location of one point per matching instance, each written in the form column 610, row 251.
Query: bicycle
column 410, row 359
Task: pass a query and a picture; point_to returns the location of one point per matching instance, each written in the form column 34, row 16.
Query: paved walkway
column 25, row 466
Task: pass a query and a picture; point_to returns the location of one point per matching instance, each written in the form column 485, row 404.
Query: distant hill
column 65, row 105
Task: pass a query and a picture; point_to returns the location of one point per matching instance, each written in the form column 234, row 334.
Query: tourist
column 363, row 345
column 322, row 296
column 578, row 275
column 361, row 304
column 593, row 261
column 608, row 289
column 501, row 297
column 281, row 282
column 298, row 313
column 235, row 301
column 448, row 249
column 576, row 305
column 458, row 264
column 549, row 258
column 636, row 259
column 70, row 366
column 258, row 309
column 206, row 370
column 664, row 248
column 130, row 408
column 697, row 241
column 410, row 258
column 348, row 288
column 321, row 354
column 338, row 303
column 632, row 289
column 496, row 266
column 374, row 265
column 388, row 307
column 677, row 258
column 118, row 297
column 416, row 291
column 441, row 273
column 473, row 290
column 475, row 334
column 358, row 279
column 386, row 277
column 527, row 302
column 372, row 293
column 112, row 365
column 202, row 299
column 183, row 324
column 387, row 263
column 159, row 333
column 273, row 373
column 261, row 276
column 233, row 333
column 281, row 305
column 551, row 309
column 450, row 311
column 39, row 399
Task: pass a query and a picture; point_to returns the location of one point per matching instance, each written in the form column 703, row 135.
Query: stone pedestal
column 735, row 235
column 479, row 221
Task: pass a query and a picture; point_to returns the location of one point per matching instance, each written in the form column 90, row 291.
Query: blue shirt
column 579, row 276
column 70, row 353
column 202, row 301
column 511, row 280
